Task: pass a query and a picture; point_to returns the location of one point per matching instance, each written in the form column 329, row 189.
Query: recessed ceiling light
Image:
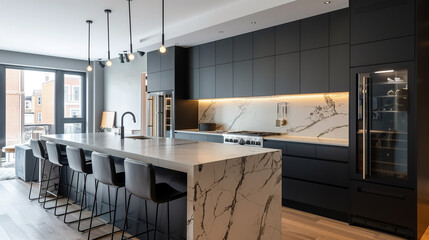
column 253, row 22
column 220, row 31
column 327, row 2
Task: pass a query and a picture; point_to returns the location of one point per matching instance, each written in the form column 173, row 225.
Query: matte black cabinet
column 339, row 68
column 194, row 84
column 315, row 71
column 194, row 57
column 315, row 32
column 374, row 20
column 288, row 74
column 207, row 82
column 264, row 43
column 224, row 80
column 153, row 61
column 243, row 79
column 153, row 82
column 288, row 37
column 263, row 76
column 224, row 51
column 167, row 60
column 208, row 54
column 167, row 80
column 243, row 47
column 339, row 31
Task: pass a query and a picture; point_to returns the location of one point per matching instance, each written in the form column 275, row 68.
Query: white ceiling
column 58, row 28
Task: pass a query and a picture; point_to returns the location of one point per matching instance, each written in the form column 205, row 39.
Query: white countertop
column 176, row 154
column 286, row 138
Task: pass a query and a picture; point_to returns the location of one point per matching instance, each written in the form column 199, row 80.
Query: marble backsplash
column 315, row 115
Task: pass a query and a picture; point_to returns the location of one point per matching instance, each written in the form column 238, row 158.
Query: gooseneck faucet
column 122, row 122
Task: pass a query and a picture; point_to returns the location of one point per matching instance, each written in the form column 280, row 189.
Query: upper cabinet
column 374, row 20
column 224, row 51
column 315, row 71
column 315, row 32
column 167, row 60
column 208, row 54
column 194, row 57
column 339, row 30
column 288, row 74
column 288, row 38
column 339, row 68
column 153, row 62
column 263, row 76
column 243, row 47
column 224, row 80
column 264, row 43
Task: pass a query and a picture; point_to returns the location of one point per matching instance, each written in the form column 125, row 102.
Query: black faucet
column 122, row 122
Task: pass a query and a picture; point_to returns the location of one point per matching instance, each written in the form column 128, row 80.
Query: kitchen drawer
column 319, row 171
column 319, row 195
column 276, row 145
column 182, row 136
column 332, row 153
column 300, row 150
column 199, row 137
column 215, row 139
column 382, row 203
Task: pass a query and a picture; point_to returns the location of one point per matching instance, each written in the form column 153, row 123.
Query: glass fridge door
column 383, row 124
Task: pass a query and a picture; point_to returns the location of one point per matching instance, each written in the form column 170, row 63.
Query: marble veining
column 321, row 115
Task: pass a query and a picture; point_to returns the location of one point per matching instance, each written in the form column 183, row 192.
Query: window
column 39, row 117
column 76, row 93
column 39, row 100
column 66, row 93
column 27, row 104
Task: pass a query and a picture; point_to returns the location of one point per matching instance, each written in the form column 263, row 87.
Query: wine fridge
column 159, row 114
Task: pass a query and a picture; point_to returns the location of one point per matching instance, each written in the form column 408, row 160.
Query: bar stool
column 39, row 153
column 140, row 182
column 57, row 159
column 104, row 171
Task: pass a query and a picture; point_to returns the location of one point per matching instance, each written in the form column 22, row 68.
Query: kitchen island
column 233, row 192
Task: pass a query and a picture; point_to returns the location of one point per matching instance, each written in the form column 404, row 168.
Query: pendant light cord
column 89, row 42
column 129, row 19
column 163, row 22
column 108, row 36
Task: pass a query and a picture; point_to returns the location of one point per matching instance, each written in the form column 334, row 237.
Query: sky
column 33, row 80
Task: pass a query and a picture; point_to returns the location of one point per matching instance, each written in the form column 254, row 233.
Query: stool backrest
column 76, row 159
column 38, row 149
column 54, row 152
column 103, row 168
column 140, row 179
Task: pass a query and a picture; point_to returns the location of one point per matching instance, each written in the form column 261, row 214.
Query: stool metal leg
column 93, row 208
column 147, row 219
column 168, row 219
column 47, row 186
column 127, row 206
column 67, row 206
column 156, row 221
column 32, row 179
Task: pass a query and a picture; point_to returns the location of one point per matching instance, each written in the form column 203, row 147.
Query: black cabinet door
column 339, row 68
column 288, row 74
column 167, row 80
column 224, row 51
column 194, row 57
column 373, row 20
column 263, row 76
column 224, row 79
column 153, row 82
column 194, row 84
column 339, row 31
column 207, row 54
column 207, row 82
column 315, row 71
column 243, row 47
column 167, row 59
column 153, row 62
column 264, row 43
column 288, row 37
column 315, row 32
column 243, row 79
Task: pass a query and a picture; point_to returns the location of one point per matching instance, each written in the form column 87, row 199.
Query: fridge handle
column 364, row 130
column 149, row 126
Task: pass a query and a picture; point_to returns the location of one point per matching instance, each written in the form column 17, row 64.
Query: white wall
column 122, row 90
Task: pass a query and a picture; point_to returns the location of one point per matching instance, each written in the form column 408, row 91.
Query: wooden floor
column 24, row 219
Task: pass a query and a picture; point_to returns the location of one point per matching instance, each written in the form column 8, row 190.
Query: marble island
column 232, row 192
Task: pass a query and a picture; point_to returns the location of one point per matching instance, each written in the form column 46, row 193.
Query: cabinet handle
column 364, row 130
column 381, row 193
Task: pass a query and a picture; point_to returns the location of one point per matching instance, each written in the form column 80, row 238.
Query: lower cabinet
column 315, row 178
column 199, row 137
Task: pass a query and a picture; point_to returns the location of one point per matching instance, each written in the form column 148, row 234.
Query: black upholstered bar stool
column 39, row 153
column 104, row 171
column 140, row 182
column 57, row 159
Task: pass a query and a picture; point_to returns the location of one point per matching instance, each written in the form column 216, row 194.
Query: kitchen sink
column 138, row 137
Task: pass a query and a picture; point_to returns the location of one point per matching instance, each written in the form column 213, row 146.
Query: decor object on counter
column 162, row 49
column 131, row 55
column 207, row 127
column 89, row 67
column 108, row 62
column 283, row 107
column 108, row 119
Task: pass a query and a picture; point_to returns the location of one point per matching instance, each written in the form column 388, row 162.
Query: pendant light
column 89, row 68
column 109, row 62
column 162, row 49
column 131, row 55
